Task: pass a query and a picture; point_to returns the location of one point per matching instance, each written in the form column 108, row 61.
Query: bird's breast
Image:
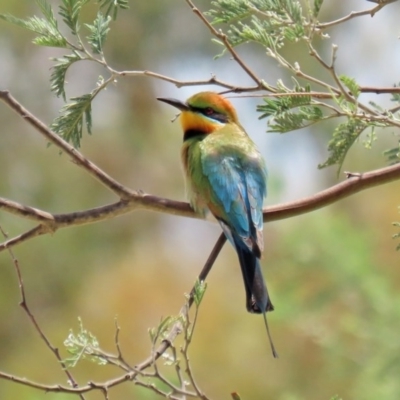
column 197, row 190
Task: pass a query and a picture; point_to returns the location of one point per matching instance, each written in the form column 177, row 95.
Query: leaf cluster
column 267, row 22
column 74, row 115
column 83, row 345
column 273, row 23
column 344, row 136
column 69, row 11
column 112, row 7
column 351, row 84
column 59, row 72
column 393, row 155
column 46, row 28
column 98, row 32
column 77, row 113
column 290, row 112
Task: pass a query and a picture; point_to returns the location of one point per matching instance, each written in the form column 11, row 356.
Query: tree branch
column 77, row 157
column 51, row 222
column 179, row 83
column 242, row 89
column 67, row 389
column 355, row 183
column 354, row 14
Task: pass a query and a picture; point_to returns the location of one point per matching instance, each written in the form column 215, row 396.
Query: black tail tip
column 253, row 307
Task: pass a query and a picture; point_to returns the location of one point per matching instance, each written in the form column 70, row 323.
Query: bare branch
column 372, row 114
column 76, row 156
column 247, row 89
column 142, row 201
column 354, row 14
column 179, row 83
column 320, row 95
column 137, row 201
column 356, row 183
column 67, row 389
column 37, row 231
column 379, row 90
column 49, row 223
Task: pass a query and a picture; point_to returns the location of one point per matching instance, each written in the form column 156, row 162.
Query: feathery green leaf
column 351, row 84
column 47, row 12
column 290, row 121
column 343, row 138
column 74, row 116
column 48, row 33
column 279, row 105
column 161, row 330
column 113, row 6
column 317, row 7
column 199, row 291
column 82, row 345
column 393, row 155
column 370, row 139
column 98, row 32
column 267, row 22
column 57, row 78
column 69, row 11
column 283, row 119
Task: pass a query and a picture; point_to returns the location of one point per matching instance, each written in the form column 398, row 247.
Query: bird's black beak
column 176, row 103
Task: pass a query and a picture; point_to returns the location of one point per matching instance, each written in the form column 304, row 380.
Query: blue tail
column 257, row 297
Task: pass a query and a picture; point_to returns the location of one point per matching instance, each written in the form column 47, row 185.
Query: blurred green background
column 333, row 274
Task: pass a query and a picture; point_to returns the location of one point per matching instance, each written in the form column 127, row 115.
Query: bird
column 226, row 175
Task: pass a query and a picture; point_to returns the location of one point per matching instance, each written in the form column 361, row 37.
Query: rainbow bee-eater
column 226, row 175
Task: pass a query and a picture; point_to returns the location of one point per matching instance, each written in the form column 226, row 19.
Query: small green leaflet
column 98, row 32
column 74, row 116
column 57, row 78
column 113, row 6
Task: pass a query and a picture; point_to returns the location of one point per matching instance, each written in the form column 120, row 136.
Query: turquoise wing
column 237, row 190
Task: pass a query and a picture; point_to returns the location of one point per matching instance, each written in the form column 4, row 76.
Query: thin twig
column 120, row 357
column 220, row 35
column 24, row 304
column 213, row 80
column 319, row 95
column 370, row 113
column 188, row 332
column 90, row 386
column 354, row 14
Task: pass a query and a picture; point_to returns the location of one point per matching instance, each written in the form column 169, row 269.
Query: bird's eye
column 209, row 111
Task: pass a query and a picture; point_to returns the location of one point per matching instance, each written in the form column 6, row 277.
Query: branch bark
column 49, row 223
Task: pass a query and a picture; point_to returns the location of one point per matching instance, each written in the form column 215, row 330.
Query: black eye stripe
column 211, row 113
